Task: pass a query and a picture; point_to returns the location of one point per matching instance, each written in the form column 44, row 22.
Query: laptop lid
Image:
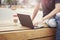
column 25, row 20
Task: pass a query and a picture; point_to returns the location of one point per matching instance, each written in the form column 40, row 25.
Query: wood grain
column 29, row 34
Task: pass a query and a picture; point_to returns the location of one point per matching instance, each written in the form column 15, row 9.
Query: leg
column 57, row 17
column 51, row 22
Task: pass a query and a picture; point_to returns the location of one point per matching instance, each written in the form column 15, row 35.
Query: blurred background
column 8, row 8
column 22, row 3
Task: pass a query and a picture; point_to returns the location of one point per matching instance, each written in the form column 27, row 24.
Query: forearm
column 51, row 14
column 36, row 10
column 55, row 11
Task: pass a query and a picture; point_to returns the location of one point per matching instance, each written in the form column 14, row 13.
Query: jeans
column 55, row 22
column 58, row 26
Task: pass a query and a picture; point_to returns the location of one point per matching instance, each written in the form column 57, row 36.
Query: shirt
column 48, row 6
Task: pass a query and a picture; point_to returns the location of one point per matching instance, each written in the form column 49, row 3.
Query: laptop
column 25, row 20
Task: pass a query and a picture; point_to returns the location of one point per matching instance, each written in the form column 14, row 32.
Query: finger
column 35, row 24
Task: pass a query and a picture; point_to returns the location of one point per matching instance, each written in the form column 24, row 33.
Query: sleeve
column 57, row 1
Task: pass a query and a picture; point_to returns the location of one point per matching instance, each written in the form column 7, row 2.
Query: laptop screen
column 25, row 20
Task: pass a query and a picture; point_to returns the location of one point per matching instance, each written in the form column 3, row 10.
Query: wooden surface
column 47, row 38
column 31, row 34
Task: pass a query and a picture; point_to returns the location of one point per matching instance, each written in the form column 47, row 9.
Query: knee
column 51, row 23
column 58, row 15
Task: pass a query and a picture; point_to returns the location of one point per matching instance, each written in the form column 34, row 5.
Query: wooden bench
column 29, row 34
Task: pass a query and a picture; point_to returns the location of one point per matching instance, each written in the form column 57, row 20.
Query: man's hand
column 42, row 22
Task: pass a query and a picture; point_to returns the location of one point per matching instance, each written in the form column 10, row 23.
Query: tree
column 0, row 2
column 9, row 2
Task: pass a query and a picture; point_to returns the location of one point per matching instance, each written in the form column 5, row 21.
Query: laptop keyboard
column 39, row 26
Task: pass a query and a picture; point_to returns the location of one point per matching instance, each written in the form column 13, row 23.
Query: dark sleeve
column 57, row 1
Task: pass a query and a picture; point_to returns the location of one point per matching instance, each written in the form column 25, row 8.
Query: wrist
column 32, row 19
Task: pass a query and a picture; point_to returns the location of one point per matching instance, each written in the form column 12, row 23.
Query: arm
column 51, row 14
column 36, row 10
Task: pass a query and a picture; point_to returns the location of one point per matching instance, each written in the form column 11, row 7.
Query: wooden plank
column 40, row 33
column 2, row 37
column 47, row 38
column 29, row 34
